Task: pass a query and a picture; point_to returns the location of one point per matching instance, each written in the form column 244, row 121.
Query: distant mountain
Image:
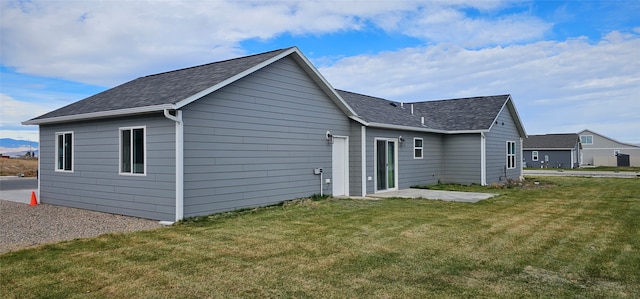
column 13, row 143
column 14, row 148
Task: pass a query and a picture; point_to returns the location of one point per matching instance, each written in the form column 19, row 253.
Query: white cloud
column 556, row 84
column 451, row 25
column 13, row 112
column 471, row 48
column 109, row 42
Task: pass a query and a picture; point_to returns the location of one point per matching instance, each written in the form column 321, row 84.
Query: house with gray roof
column 600, row 150
column 259, row 130
column 552, row 151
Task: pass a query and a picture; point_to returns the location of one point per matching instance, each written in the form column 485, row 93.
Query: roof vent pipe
column 402, row 105
column 422, row 120
column 411, row 109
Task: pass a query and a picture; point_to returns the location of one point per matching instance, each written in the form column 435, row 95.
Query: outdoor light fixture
column 401, row 139
column 329, row 137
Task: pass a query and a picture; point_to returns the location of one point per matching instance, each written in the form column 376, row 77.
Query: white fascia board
column 519, row 122
column 230, row 80
column 306, row 65
column 495, row 119
column 514, row 114
column 326, row 86
column 101, row 114
column 359, row 120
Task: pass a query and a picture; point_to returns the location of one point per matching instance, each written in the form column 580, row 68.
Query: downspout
column 519, row 160
column 363, row 159
column 39, row 199
column 483, row 159
column 179, row 161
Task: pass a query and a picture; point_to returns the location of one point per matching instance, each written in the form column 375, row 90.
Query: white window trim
column 534, row 155
column 73, row 154
column 515, row 162
column 415, row 148
column 586, row 143
column 144, row 138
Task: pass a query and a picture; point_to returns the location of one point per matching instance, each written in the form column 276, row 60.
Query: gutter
column 179, row 161
column 415, row 129
column 97, row 115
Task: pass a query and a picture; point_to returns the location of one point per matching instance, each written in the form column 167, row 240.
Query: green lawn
column 599, row 168
column 565, row 237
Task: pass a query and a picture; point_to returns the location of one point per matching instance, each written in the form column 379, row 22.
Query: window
column 511, row 154
column 417, row 148
column 64, row 151
column 132, row 151
column 534, row 156
column 586, row 139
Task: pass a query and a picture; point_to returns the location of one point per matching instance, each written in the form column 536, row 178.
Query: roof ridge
column 370, row 96
column 215, row 62
column 362, row 94
column 465, row 98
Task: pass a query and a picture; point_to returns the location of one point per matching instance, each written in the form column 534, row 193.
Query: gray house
column 552, row 151
column 600, row 150
column 259, row 130
column 466, row 141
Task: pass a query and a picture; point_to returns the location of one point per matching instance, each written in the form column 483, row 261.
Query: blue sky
column 569, row 65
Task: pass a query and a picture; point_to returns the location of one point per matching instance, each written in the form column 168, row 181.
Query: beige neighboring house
column 599, row 150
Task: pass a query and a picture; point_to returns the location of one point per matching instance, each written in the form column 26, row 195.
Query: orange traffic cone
column 34, row 201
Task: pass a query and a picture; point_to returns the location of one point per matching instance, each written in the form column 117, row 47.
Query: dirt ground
column 27, row 167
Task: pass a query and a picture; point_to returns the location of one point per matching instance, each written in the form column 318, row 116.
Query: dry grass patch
column 19, row 166
column 576, row 237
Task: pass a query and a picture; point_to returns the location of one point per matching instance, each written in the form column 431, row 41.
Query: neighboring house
column 259, row 130
column 552, row 151
column 599, row 150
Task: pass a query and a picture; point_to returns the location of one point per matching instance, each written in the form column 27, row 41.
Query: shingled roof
column 175, row 89
column 163, row 88
column 551, row 141
column 453, row 115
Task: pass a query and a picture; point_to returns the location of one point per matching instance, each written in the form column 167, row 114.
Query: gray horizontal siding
column 496, row 147
column 411, row 172
column 461, row 158
column 557, row 159
column 257, row 141
column 425, row 171
column 96, row 184
column 355, row 160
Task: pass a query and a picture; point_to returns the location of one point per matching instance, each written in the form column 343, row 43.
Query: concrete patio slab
column 435, row 194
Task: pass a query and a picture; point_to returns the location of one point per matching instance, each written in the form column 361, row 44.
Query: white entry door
column 340, row 166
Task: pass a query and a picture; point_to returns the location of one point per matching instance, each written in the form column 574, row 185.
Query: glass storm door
column 385, row 164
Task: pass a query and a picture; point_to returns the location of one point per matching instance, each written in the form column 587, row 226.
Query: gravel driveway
column 23, row 226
